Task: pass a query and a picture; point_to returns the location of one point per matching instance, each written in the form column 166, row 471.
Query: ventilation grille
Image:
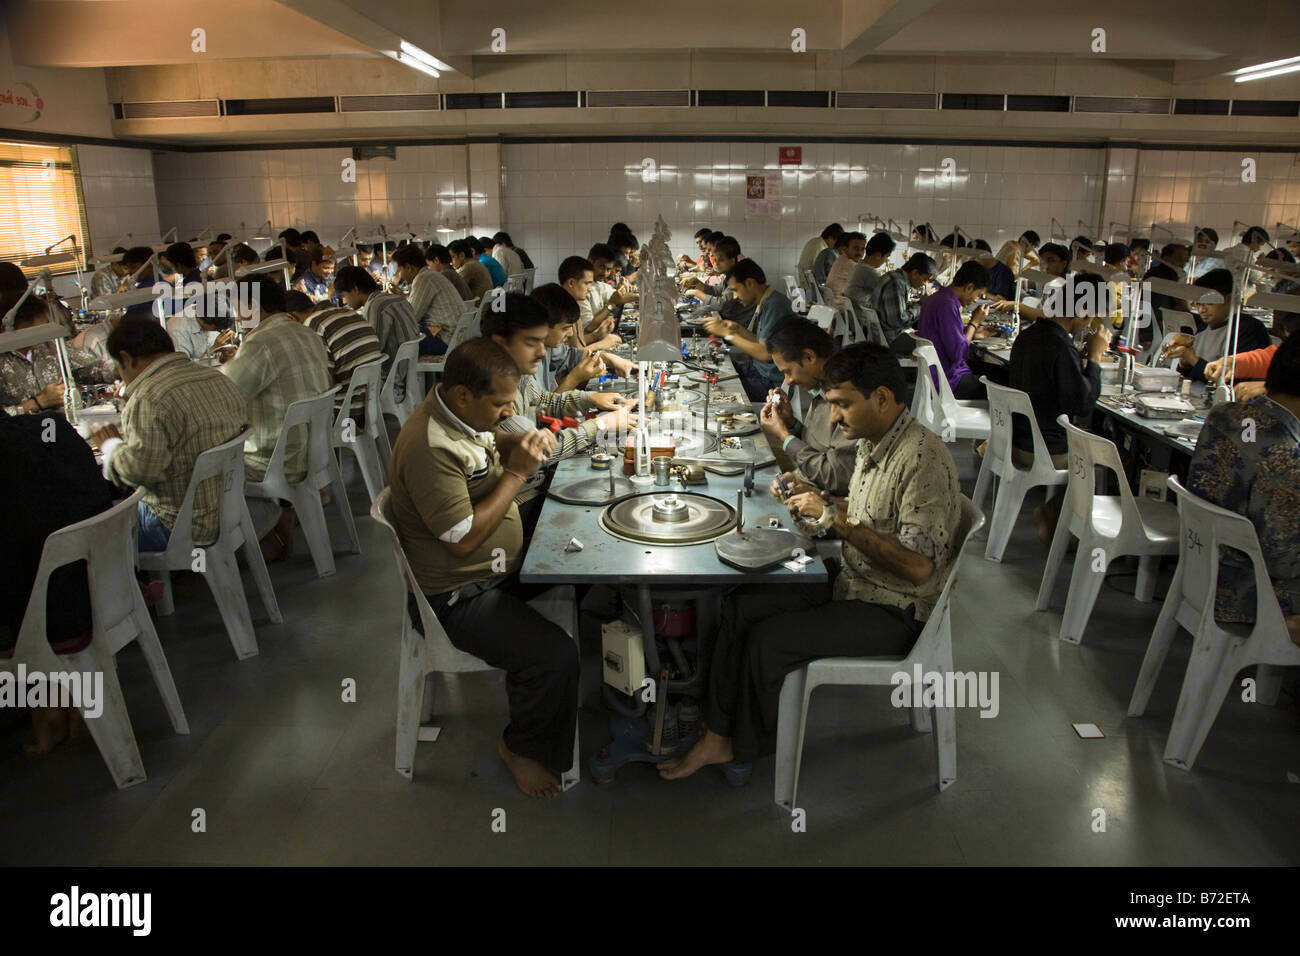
column 973, row 101
column 811, row 99
column 1186, row 107
column 389, row 103
column 1017, row 103
column 731, row 98
column 474, row 101
column 1121, row 104
column 643, row 98
column 280, row 106
column 167, row 110
column 886, row 101
column 532, row 101
column 1265, row 107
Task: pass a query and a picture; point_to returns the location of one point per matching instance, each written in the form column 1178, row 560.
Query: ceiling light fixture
column 1267, row 73
column 1261, row 70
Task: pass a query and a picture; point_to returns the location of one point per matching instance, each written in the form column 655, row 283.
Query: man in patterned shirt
column 1247, row 460
column 892, row 299
column 175, row 411
column 899, row 526
column 433, row 299
column 279, row 363
column 30, row 382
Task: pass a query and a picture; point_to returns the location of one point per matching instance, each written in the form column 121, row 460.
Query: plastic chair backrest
column 317, row 416
column 530, row 276
column 107, row 543
column 365, row 377
column 822, row 315
column 515, row 282
column 224, row 465
column 1004, row 403
column 791, row 287
column 972, row 520
column 1174, row 320
column 1205, row 528
column 1088, row 452
column 467, row 328
column 934, row 390
column 405, row 368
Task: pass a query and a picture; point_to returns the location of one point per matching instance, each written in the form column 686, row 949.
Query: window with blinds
column 40, row 203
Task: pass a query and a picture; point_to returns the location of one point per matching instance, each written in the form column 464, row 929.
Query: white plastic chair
column 1108, row 527
column 823, row 316
column 406, row 369
column 1013, row 482
column 932, row 650
column 816, row 289
column 516, row 282
column 791, row 288
column 424, row 655
column 937, row 408
column 529, row 276
column 1174, row 320
column 1220, row 651
column 369, row 441
column 314, row 414
column 468, row 327
column 224, row 465
column 107, row 544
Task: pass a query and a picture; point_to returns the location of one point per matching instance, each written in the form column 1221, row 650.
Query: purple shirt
column 940, row 322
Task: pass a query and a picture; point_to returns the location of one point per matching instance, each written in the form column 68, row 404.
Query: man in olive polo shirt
column 453, row 488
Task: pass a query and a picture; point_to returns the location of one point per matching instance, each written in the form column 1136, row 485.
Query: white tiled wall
column 117, row 185
column 562, row 197
column 1185, row 189
column 304, row 188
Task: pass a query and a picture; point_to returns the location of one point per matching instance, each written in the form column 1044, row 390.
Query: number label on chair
column 1194, row 540
column 999, row 419
column 1079, row 470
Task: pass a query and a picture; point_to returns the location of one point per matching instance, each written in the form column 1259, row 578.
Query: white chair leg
column 165, row 607
column 222, row 576
column 1085, row 585
column 367, row 457
column 257, row 564
column 114, row 736
column 788, row 738
column 1006, row 509
column 339, row 494
column 921, row 722
column 430, row 696
column 945, row 744
column 410, row 690
column 983, row 481
column 1145, row 589
column 1162, row 637
column 1209, row 674
column 1055, row 558
column 311, row 515
column 151, row 647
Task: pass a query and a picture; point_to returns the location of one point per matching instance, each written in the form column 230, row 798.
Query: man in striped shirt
column 390, row 315
column 176, row 410
column 433, row 299
column 348, row 338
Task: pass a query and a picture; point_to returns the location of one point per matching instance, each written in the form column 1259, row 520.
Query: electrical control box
column 622, row 657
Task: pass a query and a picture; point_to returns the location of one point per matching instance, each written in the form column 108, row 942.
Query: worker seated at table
column 1018, row 255
column 483, row 248
column 850, row 249
column 748, row 283
column 1047, row 367
column 941, row 323
column 523, row 328
column 899, row 525
column 578, row 277
column 389, row 314
column 866, row 275
column 567, row 367
column 48, row 480
column 823, row 454
column 818, row 244
column 108, row 280
column 30, row 380
column 1002, row 281
column 176, row 410
column 821, row 265
column 894, row 299
column 1251, row 368
column 685, row 262
column 1195, row 352
column 597, row 322
column 433, row 298
column 1247, row 460
column 454, row 478
column 465, row 261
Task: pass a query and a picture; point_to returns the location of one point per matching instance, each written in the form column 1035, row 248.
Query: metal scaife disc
column 592, row 491
column 668, row 518
column 758, row 549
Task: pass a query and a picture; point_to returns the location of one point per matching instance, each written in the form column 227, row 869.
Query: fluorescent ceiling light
column 408, row 60
column 1265, row 66
column 1267, row 73
column 410, row 49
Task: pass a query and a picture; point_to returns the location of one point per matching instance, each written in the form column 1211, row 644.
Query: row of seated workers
column 470, row 466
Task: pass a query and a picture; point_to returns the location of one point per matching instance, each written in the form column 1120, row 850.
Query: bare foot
column 51, row 726
column 711, row 749
column 530, row 776
column 1293, row 628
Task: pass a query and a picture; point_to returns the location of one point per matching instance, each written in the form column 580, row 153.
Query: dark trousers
column 764, row 633
column 970, row 387
column 540, row 661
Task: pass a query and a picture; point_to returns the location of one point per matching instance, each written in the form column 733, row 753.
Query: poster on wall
column 762, row 195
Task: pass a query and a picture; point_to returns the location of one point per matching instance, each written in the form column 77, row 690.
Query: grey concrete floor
column 287, row 773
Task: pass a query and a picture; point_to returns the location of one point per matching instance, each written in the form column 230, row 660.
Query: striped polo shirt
column 350, row 341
